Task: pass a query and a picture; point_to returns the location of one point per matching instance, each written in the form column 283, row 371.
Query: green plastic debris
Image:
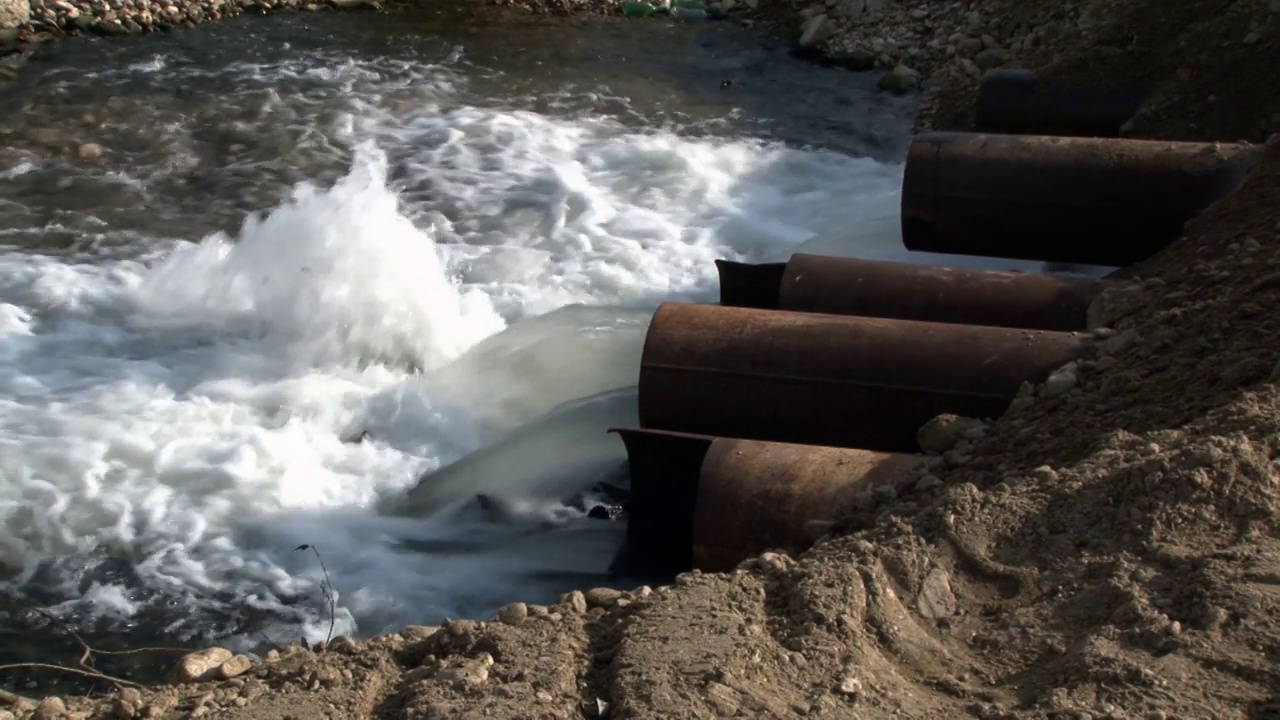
column 635, row 8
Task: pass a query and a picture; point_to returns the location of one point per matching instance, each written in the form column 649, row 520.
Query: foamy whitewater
column 177, row 413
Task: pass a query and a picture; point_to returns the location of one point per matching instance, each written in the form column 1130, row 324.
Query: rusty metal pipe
column 905, row 291
column 1073, row 200
column 1020, row 102
column 755, row 496
column 711, row 502
column 830, row 379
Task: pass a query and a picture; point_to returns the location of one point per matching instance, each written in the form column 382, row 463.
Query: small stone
column 343, row 645
column 900, row 80
column 989, row 59
column 50, row 708
column 885, row 493
column 603, row 597
column 469, row 673
column 1118, row 343
column 927, row 482
column 850, row 686
column 513, row 614
column 1044, row 473
column 235, row 667
column 576, row 602
column 815, row 30
column 936, row 600
column 128, row 704
column 1060, row 381
column 944, row 432
column 201, row 665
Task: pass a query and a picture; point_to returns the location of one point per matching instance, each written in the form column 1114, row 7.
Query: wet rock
column 14, row 13
column 513, row 614
column 202, row 665
column 235, row 667
column 849, row 9
column 900, row 80
column 90, row 152
column 856, row 59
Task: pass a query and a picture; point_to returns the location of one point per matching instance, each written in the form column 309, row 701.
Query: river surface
column 443, row 235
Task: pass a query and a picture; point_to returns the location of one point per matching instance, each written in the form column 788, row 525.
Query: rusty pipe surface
column 1057, row 199
column 1020, row 102
column 755, row 496
column 711, row 502
column 830, row 379
column 906, row 291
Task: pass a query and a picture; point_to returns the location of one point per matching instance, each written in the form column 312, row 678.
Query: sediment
column 1106, row 549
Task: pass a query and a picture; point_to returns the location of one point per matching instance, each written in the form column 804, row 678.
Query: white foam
column 191, row 405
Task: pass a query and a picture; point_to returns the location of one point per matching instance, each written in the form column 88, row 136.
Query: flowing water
column 323, row 255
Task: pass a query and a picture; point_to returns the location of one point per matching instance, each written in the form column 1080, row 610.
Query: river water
column 443, row 234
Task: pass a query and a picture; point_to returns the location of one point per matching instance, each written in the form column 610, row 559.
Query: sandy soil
column 1110, row 551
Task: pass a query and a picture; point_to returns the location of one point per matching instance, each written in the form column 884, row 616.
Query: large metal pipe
column 712, row 502
column 906, row 291
column 830, row 379
column 1020, row 102
column 1072, row 200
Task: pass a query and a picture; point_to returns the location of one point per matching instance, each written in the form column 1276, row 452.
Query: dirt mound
column 1210, row 67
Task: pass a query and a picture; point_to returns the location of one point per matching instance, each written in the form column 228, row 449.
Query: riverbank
column 1108, row 552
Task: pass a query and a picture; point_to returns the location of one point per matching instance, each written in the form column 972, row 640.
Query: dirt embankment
column 1109, row 550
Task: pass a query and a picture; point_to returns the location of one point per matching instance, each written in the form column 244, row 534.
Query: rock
column 969, row 47
column 235, row 667
column 1114, row 303
column 90, row 151
column 885, row 493
column 603, row 597
column 200, row 665
column 944, row 432
column 469, row 673
column 513, row 614
column 927, row 482
column 850, row 687
column 343, row 645
column 936, row 601
column 50, row 708
column 576, row 602
column 849, row 9
column 816, row 30
column 901, row 79
column 990, row 58
column 127, row 705
column 752, row 4
column 14, row 13
column 1060, row 381
column 857, row 59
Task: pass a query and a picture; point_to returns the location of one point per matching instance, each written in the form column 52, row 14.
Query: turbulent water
column 444, row 238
